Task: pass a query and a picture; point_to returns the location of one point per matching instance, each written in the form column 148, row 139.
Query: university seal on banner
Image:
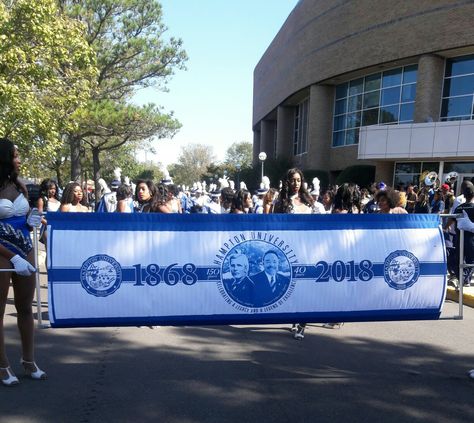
column 256, row 274
column 101, row 275
column 401, row 269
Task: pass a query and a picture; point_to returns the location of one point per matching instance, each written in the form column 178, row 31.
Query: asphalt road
column 364, row 372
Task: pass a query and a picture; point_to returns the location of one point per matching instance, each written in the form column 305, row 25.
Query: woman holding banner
column 16, row 250
column 295, row 198
column 346, row 201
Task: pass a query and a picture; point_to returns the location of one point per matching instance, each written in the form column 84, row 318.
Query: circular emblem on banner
column 101, row 275
column 401, row 269
column 256, row 274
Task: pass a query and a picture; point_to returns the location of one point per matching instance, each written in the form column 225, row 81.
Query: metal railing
column 462, row 265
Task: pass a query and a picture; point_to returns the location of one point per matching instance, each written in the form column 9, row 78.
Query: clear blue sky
column 212, row 99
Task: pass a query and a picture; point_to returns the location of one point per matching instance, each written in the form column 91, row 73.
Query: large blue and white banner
column 130, row 269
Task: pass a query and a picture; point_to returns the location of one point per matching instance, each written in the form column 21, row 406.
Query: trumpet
column 451, row 177
column 429, row 179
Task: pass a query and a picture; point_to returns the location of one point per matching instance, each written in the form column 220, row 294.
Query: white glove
column 34, row 218
column 22, row 267
column 465, row 223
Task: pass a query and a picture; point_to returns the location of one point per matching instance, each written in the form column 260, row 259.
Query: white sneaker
column 299, row 334
column 293, row 328
column 470, row 374
column 332, row 325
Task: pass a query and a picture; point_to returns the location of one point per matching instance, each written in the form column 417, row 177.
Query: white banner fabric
column 113, row 269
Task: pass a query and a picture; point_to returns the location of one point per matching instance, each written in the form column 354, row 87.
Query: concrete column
column 429, row 88
column 384, row 172
column 267, row 137
column 321, row 107
column 285, row 123
column 256, row 147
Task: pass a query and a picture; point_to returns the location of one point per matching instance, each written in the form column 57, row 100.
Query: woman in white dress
column 49, row 197
column 17, row 255
column 295, row 198
column 73, row 199
column 47, row 202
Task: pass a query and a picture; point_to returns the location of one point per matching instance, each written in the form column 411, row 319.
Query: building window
column 300, row 134
column 458, row 89
column 409, row 172
column 381, row 98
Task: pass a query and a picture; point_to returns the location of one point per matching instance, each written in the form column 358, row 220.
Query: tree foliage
column 47, row 73
column 239, row 155
column 192, row 164
column 132, row 53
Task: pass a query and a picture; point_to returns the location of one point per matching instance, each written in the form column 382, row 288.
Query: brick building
column 378, row 82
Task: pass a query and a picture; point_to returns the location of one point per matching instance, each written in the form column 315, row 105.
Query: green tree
column 239, row 154
column 192, row 164
column 46, row 74
column 238, row 163
column 128, row 37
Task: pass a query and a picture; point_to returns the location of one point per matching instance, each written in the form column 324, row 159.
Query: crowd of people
column 294, row 196
column 145, row 196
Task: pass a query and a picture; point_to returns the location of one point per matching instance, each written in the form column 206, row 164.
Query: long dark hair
column 156, row 200
column 347, row 198
column 284, row 198
column 7, row 170
column 238, row 200
column 46, row 184
column 68, row 194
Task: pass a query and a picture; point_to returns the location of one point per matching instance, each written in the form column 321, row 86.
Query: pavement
column 364, row 372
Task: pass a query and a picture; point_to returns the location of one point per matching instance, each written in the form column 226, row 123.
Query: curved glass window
column 341, row 90
column 370, row 117
column 389, row 114
column 462, row 85
column 371, row 99
column 372, row 82
column 459, row 66
column 408, row 92
column 300, row 130
column 409, row 74
column 380, row 98
column 457, row 106
column 392, row 77
column 458, row 89
column 406, row 112
column 356, row 86
column 391, row 96
column 353, row 120
column 355, row 103
column 339, row 123
column 340, row 106
column 338, row 138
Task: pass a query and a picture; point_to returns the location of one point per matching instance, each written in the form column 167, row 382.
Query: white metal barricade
column 462, row 265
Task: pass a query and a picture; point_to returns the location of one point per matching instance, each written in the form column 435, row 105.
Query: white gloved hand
column 22, row 267
column 465, row 223
column 34, row 218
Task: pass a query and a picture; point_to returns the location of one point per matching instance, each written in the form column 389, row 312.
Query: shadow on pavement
column 241, row 374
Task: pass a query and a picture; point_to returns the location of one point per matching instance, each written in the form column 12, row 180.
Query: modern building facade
column 380, row 82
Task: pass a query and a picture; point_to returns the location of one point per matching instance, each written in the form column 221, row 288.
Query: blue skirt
column 15, row 235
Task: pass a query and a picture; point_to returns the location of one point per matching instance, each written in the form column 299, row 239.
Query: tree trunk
column 96, row 170
column 58, row 177
column 76, row 167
